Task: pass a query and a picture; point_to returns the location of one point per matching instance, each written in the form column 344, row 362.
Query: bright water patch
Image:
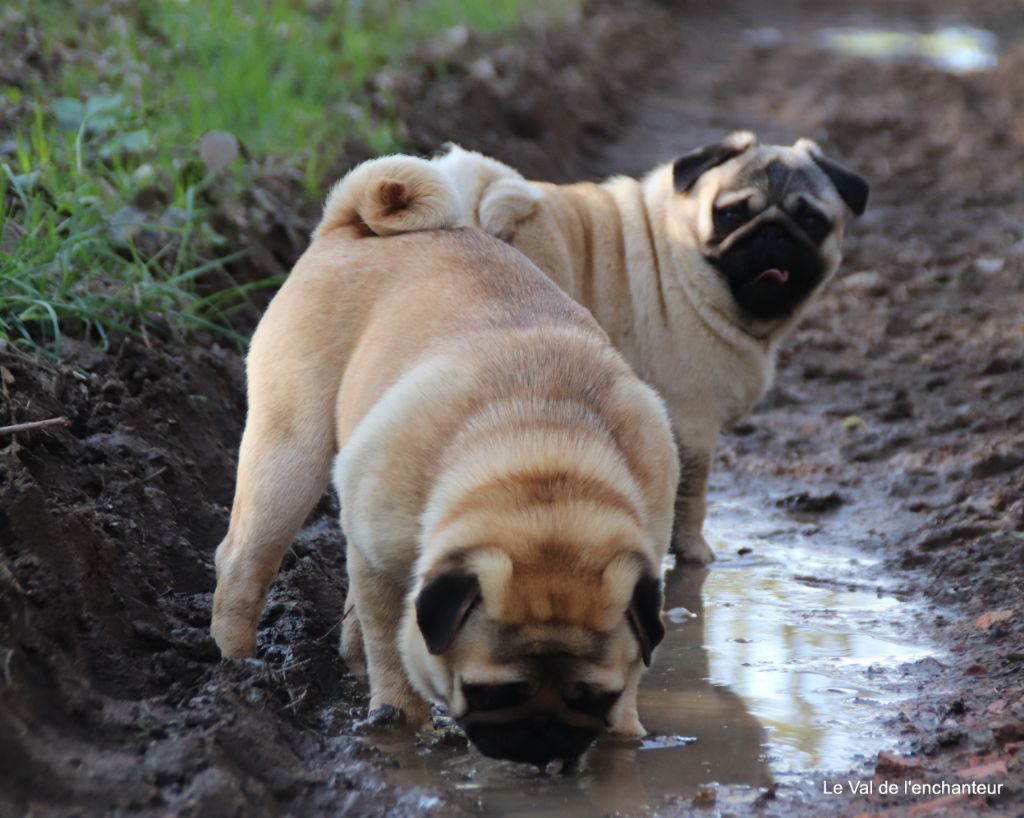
column 779, row 660
column 794, row 628
column 957, row 49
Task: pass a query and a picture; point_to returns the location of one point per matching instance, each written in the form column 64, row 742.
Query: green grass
column 112, row 109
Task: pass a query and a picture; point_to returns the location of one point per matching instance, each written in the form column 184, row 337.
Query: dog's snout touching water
column 761, row 674
column 537, row 721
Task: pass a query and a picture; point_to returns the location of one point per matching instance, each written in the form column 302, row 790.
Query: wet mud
column 863, row 620
column 898, row 412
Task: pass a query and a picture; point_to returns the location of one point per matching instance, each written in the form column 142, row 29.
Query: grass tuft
column 105, row 202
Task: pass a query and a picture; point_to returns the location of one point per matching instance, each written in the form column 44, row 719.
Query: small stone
column 894, row 766
column 987, row 620
column 865, row 281
column 1008, row 731
column 218, row 149
column 679, row 615
column 854, row 423
column 989, row 265
column 979, row 772
column 998, row 463
column 805, row 502
column 707, row 796
column 950, row 738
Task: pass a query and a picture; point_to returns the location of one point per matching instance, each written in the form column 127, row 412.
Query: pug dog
column 506, row 482
column 696, row 271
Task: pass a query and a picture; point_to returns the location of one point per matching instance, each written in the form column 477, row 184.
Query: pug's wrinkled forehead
column 771, row 174
column 773, row 177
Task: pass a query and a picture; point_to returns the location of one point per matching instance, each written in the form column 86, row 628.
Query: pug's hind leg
column 378, row 604
column 688, row 541
column 280, row 480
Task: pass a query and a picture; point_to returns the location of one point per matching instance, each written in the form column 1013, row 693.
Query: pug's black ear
column 644, row 616
column 689, row 167
column 852, row 187
column 442, row 606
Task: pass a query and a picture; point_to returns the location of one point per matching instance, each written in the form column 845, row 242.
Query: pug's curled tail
column 393, row 194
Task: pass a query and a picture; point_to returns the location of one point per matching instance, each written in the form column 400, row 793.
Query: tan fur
column 483, row 421
column 629, row 251
column 393, row 194
column 402, row 194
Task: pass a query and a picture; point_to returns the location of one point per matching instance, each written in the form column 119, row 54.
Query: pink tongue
column 775, row 275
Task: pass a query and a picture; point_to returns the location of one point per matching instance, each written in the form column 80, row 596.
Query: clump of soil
column 113, row 693
column 548, row 109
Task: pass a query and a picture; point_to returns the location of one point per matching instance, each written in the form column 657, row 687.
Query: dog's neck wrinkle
column 493, row 423
column 499, row 417
column 595, row 216
column 547, row 487
column 583, row 266
column 693, row 317
column 657, row 254
column 685, row 254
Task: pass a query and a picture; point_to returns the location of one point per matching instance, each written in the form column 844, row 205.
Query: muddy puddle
column 957, row 49
column 779, row 663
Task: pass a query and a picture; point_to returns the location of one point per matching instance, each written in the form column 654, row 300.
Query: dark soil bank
column 906, row 383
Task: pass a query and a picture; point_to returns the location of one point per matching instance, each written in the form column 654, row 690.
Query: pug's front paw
column 628, row 727
column 385, row 716
column 396, row 708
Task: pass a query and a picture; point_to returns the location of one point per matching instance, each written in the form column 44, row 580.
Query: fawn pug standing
column 696, row 272
column 506, row 481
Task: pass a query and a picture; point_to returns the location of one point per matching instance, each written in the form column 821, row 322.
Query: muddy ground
column 906, row 384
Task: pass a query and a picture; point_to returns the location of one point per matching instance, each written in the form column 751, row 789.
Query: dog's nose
column 535, row 741
column 772, row 238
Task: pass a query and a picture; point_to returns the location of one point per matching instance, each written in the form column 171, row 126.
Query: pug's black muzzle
column 769, row 268
column 536, row 740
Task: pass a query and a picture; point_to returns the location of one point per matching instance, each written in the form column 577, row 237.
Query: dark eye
column 814, row 224
column 731, row 218
column 496, row 696
column 590, row 699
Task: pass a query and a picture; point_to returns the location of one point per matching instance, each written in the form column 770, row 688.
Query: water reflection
column 775, row 661
column 677, row 698
column 701, row 732
column 957, row 49
column 792, row 629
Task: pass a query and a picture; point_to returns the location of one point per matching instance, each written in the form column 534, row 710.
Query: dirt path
column 900, row 400
column 903, row 393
